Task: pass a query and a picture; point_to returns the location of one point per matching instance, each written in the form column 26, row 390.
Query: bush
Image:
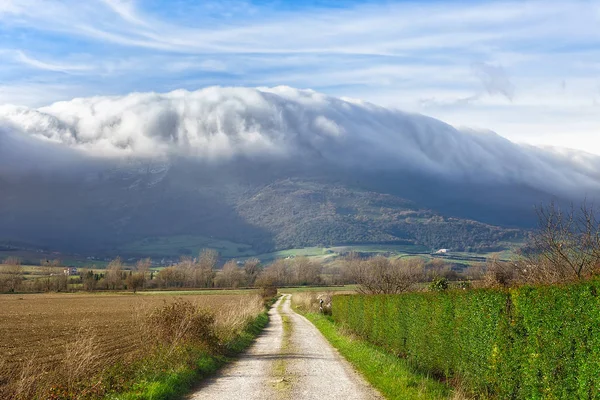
column 439, row 284
column 181, row 322
column 530, row 342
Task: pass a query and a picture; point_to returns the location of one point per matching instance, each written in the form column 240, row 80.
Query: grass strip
column 176, row 383
column 283, row 384
column 392, row 376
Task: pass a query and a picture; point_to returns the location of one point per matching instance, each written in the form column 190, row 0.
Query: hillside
column 303, row 213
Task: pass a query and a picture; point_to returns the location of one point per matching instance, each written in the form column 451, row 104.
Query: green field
column 183, row 245
column 33, row 258
column 199, row 292
column 172, row 248
column 331, row 253
column 345, row 288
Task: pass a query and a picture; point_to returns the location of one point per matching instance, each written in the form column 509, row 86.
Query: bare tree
column 275, row 274
column 205, row 272
column 12, row 274
column 380, row 275
column 134, row 281
column 170, row 277
column 51, row 270
column 252, row 269
column 566, row 245
column 188, row 267
column 12, row 261
column 306, row 271
column 231, row 276
column 143, row 269
column 500, row 273
column 114, row 272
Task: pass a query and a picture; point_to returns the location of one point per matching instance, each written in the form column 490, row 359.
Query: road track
column 290, row 360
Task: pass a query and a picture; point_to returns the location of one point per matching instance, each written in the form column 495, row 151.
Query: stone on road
column 289, row 360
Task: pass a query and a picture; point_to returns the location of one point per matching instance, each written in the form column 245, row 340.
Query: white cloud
column 475, row 64
column 220, row 124
column 125, row 9
column 23, row 58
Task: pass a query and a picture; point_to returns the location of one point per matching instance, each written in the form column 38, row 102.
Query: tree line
column 565, row 247
column 190, row 272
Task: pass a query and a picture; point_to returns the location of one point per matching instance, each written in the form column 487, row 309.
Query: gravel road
column 289, row 360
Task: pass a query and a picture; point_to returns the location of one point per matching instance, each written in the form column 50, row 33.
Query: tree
column 565, row 246
column 380, row 275
column 230, row 276
column 143, row 269
column 252, row 269
column 170, row 277
column 114, row 278
column 188, row 268
column 278, row 273
column 51, row 270
column 205, row 271
column 134, row 281
column 306, row 272
column 89, row 279
column 11, row 274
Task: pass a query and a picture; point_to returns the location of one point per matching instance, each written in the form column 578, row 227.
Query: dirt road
column 289, row 360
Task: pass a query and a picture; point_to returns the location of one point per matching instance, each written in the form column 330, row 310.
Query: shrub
column 313, row 302
column 529, row 342
column 181, row 322
column 380, row 275
column 439, row 284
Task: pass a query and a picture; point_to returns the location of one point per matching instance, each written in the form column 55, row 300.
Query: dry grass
column 50, row 339
column 311, row 301
column 233, row 319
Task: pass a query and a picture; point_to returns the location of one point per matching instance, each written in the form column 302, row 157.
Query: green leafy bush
column 530, row 342
column 439, row 284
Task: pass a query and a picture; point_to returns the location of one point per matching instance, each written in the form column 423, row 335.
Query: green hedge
column 526, row 343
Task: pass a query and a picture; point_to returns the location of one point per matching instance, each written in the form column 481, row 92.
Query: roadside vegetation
column 522, row 343
column 528, row 328
column 394, row 377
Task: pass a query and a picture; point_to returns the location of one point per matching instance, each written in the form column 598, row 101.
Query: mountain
column 273, row 168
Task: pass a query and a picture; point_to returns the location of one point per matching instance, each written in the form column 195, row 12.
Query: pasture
column 183, row 245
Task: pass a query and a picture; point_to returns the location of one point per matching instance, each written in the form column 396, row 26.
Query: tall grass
column 312, row 302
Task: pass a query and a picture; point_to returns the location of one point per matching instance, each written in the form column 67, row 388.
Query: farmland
column 39, row 329
column 183, row 245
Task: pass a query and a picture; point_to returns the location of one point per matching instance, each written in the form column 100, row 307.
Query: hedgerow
column 528, row 342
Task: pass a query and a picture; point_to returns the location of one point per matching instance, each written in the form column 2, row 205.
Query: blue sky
column 529, row 70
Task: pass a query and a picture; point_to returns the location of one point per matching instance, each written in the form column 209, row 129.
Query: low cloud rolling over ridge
column 222, row 124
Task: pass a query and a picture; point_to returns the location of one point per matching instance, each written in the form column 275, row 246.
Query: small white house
column 442, row 251
column 70, row 271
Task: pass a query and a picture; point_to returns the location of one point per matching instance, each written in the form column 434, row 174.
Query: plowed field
column 39, row 327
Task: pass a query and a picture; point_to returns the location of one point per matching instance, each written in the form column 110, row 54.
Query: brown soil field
column 39, row 327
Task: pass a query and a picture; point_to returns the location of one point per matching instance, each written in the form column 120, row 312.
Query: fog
column 219, row 125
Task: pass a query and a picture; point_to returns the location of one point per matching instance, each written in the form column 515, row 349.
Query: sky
column 528, row 70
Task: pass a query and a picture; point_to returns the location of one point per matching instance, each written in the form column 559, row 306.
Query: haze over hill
column 272, row 167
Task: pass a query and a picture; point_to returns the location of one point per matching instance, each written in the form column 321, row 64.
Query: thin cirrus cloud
column 39, row 64
column 526, row 69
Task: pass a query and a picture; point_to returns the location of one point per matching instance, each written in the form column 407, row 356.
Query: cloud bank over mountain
column 220, row 125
